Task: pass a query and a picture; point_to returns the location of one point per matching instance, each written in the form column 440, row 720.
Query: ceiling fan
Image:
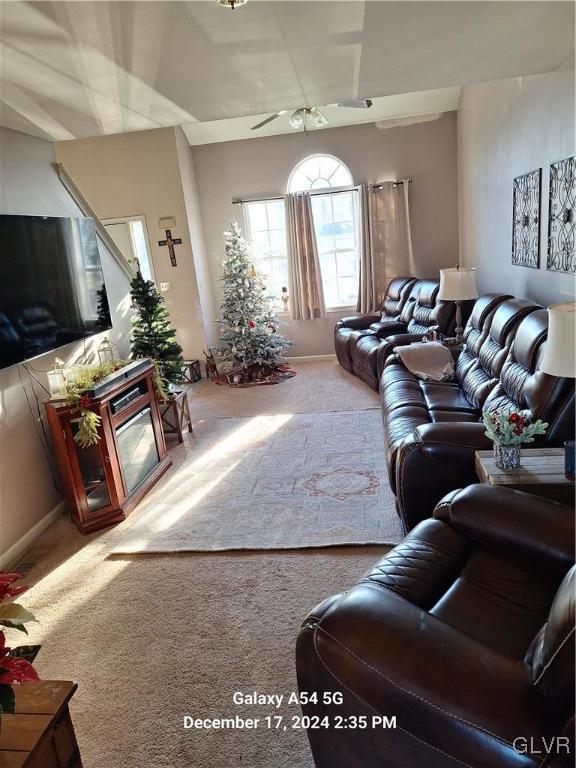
column 312, row 116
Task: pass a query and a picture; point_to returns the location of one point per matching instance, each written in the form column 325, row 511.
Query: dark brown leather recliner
column 439, row 455
column 464, row 633
column 390, row 314
column 490, row 330
column 427, row 313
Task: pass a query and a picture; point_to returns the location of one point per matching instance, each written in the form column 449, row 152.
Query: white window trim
column 330, row 191
column 248, row 236
column 141, row 218
column 313, row 157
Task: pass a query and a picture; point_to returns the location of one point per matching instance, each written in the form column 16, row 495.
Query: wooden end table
column 541, row 472
column 192, row 371
column 175, row 415
column 40, row 734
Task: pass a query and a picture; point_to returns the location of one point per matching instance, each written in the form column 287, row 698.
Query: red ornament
column 85, row 401
column 252, row 324
column 514, row 418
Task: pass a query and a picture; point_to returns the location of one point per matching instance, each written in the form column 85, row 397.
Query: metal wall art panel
column 562, row 216
column 526, row 220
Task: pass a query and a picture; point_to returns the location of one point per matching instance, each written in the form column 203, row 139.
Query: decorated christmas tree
column 152, row 334
column 249, row 339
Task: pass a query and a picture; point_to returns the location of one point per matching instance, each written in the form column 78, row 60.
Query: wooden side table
column 192, row 371
column 541, row 473
column 40, row 734
column 175, row 415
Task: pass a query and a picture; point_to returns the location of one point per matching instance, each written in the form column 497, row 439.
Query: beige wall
column 199, row 252
column 138, row 174
column 29, row 185
column 507, row 128
column 426, row 152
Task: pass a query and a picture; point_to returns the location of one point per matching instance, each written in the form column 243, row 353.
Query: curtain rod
column 324, row 191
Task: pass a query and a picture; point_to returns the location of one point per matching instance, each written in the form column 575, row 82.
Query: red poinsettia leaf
column 9, row 578
column 15, row 591
column 14, row 670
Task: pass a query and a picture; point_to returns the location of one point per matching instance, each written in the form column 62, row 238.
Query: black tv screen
column 52, row 287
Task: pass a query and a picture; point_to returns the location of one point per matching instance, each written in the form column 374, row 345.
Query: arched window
column 319, row 172
column 335, row 210
column 335, row 214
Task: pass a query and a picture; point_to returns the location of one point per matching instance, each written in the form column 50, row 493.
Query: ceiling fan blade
column 355, row 104
column 268, row 119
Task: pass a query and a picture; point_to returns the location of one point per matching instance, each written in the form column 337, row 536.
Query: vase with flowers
column 509, row 430
column 15, row 666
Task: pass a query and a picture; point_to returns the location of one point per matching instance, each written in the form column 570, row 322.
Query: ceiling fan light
column 296, row 120
column 317, row 119
column 231, row 3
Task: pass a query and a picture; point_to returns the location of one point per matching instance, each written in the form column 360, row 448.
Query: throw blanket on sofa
column 430, row 361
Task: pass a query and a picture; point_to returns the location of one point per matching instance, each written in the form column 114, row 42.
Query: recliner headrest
column 484, row 306
column 395, row 287
column 530, row 336
column 428, row 293
column 507, row 316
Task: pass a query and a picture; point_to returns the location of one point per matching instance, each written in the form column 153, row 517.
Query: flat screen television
column 52, row 287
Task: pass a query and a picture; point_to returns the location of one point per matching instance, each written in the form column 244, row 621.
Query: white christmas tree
column 249, row 337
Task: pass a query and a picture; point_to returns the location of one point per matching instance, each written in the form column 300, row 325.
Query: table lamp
column 458, row 284
column 559, row 358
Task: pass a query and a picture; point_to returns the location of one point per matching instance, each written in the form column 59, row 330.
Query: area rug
column 273, row 481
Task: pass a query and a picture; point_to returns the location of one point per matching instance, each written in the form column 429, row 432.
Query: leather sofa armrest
column 538, row 531
column 403, row 339
column 439, row 457
column 375, row 645
column 358, row 322
column 386, row 328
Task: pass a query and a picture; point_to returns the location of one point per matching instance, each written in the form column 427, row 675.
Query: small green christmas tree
column 153, row 335
column 249, row 337
column 103, row 320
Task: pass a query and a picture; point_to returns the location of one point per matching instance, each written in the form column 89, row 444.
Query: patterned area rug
column 273, row 481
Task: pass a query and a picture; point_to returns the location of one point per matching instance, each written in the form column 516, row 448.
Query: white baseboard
column 12, row 555
column 311, row 358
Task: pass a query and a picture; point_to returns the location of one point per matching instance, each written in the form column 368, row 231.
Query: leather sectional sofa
column 394, row 313
column 433, row 429
column 358, row 340
column 456, row 650
column 464, row 633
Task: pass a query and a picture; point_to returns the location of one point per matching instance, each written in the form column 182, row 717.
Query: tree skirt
column 275, row 481
column 273, row 375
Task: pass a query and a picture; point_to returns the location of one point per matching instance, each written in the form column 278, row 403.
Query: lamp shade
column 559, row 358
column 458, row 284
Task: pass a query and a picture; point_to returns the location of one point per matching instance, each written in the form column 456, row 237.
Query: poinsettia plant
column 13, row 668
column 508, row 428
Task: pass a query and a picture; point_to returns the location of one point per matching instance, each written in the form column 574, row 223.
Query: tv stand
column 104, row 482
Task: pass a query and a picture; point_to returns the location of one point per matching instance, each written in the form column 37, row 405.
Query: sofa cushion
column 446, row 397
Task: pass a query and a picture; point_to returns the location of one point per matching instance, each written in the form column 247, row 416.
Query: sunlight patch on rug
column 278, row 481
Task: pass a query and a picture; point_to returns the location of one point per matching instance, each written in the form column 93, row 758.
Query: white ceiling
column 383, row 109
column 74, row 69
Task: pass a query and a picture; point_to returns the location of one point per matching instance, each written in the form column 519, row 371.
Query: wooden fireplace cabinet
column 105, row 481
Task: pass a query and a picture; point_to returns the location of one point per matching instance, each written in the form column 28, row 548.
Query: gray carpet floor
column 152, row 638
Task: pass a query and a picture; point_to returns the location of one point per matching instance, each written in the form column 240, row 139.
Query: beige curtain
column 385, row 241
column 306, row 291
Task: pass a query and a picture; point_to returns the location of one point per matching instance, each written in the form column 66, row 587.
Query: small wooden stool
column 175, row 414
column 192, row 372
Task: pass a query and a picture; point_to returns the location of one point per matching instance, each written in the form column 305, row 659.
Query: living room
column 288, row 306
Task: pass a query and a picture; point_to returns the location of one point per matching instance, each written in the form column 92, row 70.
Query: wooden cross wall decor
column 171, row 242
